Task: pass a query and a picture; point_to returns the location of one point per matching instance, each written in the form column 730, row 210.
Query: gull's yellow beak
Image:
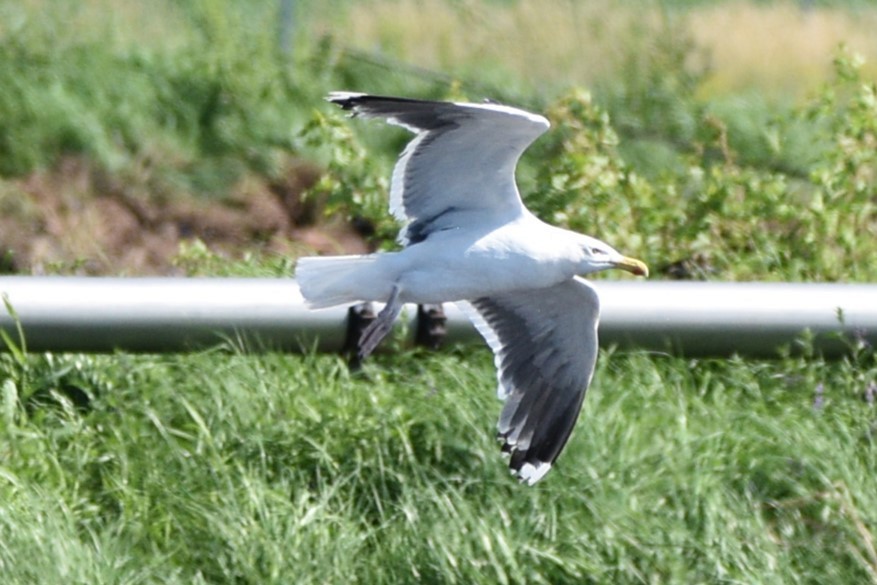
column 633, row 266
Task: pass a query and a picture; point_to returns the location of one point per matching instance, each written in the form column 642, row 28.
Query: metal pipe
column 746, row 318
column 86, row 314
column 180, row 314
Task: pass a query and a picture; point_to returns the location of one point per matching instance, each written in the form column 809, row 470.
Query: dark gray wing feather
column 460, row 168
column 545, row 347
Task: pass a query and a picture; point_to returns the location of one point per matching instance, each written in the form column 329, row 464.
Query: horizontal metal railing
column 88, row 314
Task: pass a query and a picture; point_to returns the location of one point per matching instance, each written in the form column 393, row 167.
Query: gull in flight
column 468, row 238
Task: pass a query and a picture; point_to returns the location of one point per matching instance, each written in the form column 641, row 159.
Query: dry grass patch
column 779, row 48
column 561, row 43
column 123, row 24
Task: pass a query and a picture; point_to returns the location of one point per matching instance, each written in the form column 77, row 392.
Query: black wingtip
column 523, row 464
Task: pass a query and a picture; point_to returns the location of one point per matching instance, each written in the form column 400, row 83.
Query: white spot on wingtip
column 532, row 473
column 336, row 96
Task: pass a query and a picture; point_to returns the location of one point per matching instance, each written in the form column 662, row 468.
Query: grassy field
column 229, row 467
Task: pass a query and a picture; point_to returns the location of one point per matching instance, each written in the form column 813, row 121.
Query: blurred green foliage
column 220, row 101
column 733, row 186
column 741, row 218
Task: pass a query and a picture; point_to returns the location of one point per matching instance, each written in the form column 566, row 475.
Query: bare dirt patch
column 73, row 219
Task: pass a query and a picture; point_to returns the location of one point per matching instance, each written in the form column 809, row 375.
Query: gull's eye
column 597, row 251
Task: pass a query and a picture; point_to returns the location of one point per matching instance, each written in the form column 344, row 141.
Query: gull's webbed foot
column 381, row 326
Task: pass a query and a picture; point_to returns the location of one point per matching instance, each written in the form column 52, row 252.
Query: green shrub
column 222, row 100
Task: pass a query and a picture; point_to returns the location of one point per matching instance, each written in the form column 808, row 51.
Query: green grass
column 231, row 468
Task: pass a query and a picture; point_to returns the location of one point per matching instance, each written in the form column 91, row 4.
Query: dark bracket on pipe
column 431, row 326
column 358, row 318
column 431, row 329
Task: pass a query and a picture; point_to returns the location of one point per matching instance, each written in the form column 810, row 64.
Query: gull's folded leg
column 382, row 324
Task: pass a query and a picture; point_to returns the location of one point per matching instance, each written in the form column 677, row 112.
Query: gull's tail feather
column 333, row 280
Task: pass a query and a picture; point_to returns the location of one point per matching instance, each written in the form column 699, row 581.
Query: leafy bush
column 224, row 100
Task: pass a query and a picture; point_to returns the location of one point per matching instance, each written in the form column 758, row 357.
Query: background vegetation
column 680, row 136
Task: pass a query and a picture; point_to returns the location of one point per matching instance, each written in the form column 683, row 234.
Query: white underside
column 449, row 266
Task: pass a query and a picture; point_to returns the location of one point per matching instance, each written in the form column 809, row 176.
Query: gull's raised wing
column 460, row 168
column 545, row 346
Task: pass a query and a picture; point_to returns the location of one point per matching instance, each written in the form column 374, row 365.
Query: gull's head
column 601, row 256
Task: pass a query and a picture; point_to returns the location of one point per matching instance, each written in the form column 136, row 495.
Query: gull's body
column 468, row 238
column 428, row 272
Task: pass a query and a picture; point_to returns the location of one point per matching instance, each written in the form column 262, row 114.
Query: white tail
column 334, row 280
